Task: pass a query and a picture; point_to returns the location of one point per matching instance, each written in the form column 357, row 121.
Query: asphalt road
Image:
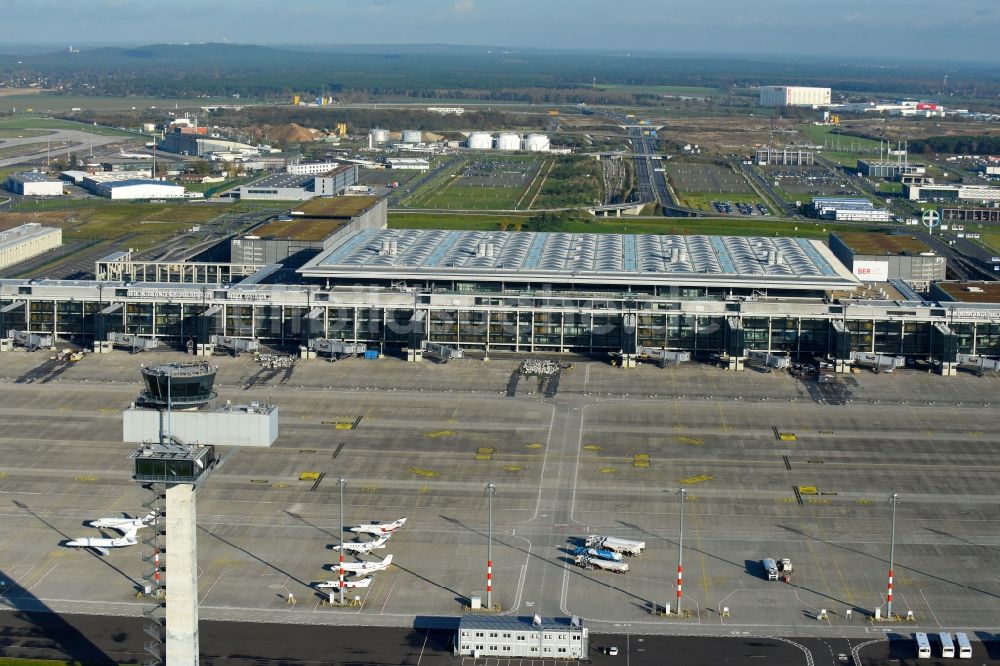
column 107, row 640
column 80, row 141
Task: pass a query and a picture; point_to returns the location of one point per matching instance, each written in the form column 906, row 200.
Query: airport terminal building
column 716, row 297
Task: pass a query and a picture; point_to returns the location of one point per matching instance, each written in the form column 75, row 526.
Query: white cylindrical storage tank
column 380, row 136
column 537, row 143
column 509, row 141
column 480, row 141
column 412, row 136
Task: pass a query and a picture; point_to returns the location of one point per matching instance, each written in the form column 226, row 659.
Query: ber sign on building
column 871, row 271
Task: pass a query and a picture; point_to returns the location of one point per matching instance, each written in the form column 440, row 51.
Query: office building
column 26, row 241
column 848, row 209
column 794, row 96
column 543, row 639
column 789, row 156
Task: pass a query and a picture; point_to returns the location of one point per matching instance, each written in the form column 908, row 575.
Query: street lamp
column 682, row 493
column 490, row 491
column 893, row 498
column 341, row 483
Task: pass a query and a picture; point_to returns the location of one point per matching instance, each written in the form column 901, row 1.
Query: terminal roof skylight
column 439, row 253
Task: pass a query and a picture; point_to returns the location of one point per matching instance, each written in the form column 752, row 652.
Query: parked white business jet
column 365, row 546
column 379, row 528
column 122, row 524
column 103, row 544
column 348, row 584
column 364, row 567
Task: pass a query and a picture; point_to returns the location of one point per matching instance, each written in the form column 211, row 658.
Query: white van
column 947, row 646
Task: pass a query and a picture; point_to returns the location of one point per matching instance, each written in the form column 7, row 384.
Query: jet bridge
column 980, row 365
column 233, row 346
column 444, row 352
column 663, row 356
column 30, row 341
column 336, row 349
column 133, row 343
column 770, row 361
column 878, row 362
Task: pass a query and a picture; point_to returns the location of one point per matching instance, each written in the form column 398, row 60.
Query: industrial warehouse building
column 138, row 188
column 408, row 163
column 308, row 230
column 34, row 184
column 27, row 241
column 300, row 187
column 884, row 257
column 848, row 209
column 941, row 192
column 545, row 639
column 794, row 96
column 714, row 297
column 783, row 157
column 889, row 170
column 199, row 145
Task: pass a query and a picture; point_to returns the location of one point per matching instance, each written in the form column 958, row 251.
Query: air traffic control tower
column 171, row 469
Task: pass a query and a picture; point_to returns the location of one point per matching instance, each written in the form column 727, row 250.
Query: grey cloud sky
column 887, row 29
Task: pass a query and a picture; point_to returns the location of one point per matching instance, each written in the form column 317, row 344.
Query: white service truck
column 617, row 544
column 597, row 563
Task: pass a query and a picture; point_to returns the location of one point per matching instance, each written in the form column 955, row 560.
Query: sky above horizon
column 885, row 29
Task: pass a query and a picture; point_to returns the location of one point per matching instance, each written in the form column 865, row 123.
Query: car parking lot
column 807, row 182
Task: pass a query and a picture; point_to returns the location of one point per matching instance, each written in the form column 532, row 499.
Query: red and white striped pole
column 341, row 575
column 490, row 490
column 682, row 493
column 892, row 552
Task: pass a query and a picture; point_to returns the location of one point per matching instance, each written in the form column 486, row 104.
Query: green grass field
column 38, row 205
column 99, row 220
column 849, row 160
column 42, row 102
column 34, row 148
column 820, row 134
column 22, row 133
column 624, row 225
column 456, row 222
column 462, row 197
column 34, row 122
column 990, row 240
column 422, row 197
